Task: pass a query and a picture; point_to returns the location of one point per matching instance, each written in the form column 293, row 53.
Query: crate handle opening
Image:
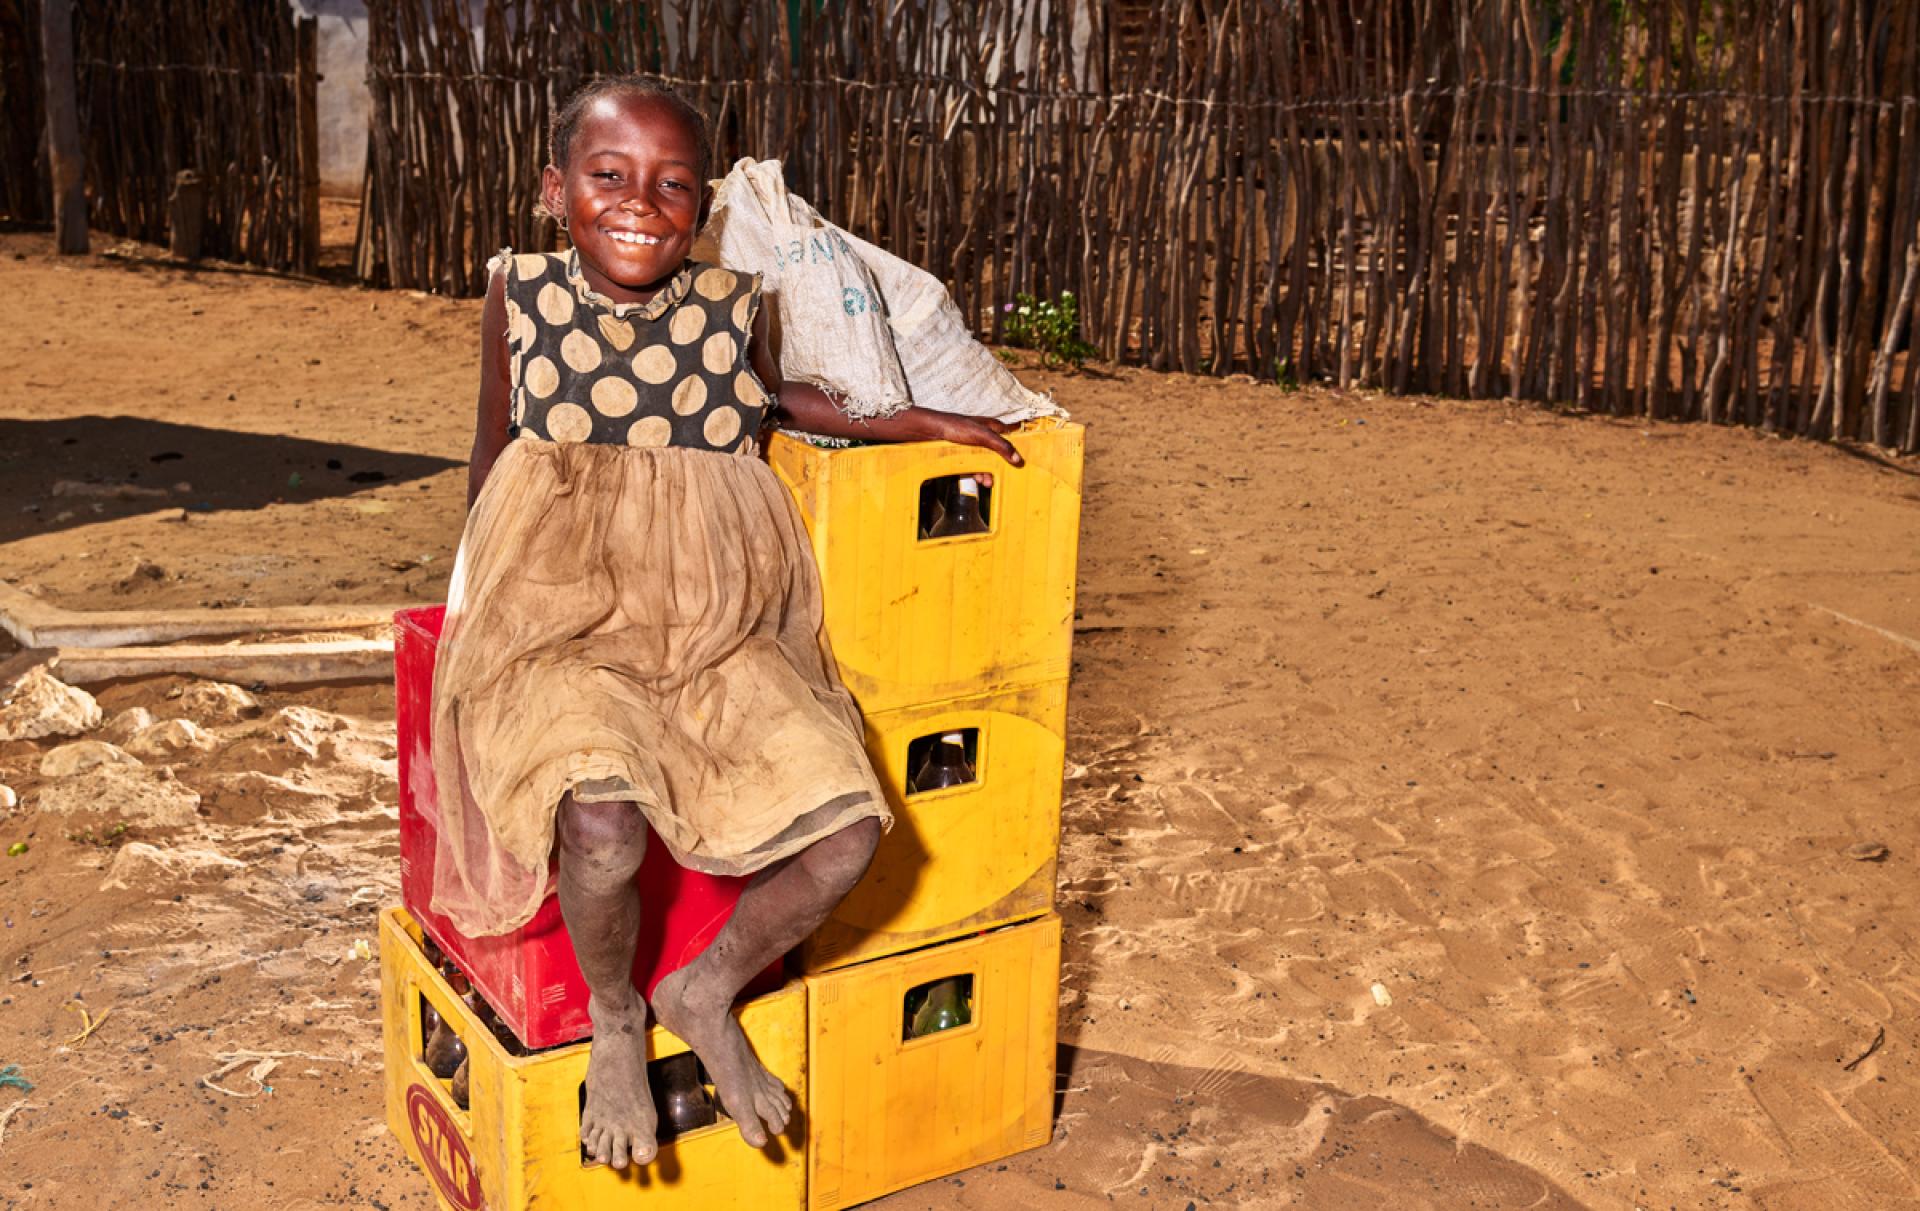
column 955, row 505
column 943, row 759
column 935, row 1006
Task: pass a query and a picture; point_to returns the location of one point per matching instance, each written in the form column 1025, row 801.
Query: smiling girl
column 633, row 631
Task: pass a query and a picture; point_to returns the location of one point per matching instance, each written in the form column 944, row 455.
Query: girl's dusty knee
column 863, row 837
column 840, row 859
column 613, row 833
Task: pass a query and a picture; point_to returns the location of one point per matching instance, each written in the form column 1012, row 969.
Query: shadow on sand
column 125, row 466
column 1148, row 1133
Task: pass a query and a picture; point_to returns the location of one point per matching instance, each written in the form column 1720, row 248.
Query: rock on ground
column 210, row 702
column 169, row 738
column 81, row 756
column 43, row 705
column 135, row 794
column 138, row 864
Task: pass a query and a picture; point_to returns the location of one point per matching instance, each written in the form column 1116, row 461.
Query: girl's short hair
column 567, row 120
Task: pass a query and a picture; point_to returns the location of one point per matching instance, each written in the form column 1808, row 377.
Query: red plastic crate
column 530, row 976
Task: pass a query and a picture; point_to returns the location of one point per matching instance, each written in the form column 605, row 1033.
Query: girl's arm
column 809, row 410
column 496, row 391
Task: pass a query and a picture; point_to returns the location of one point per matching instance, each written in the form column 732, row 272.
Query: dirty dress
column 634, row 613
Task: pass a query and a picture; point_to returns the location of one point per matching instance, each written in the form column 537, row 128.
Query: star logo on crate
column 443, row 1151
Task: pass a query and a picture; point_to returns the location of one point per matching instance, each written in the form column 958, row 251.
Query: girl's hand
column 973, row 431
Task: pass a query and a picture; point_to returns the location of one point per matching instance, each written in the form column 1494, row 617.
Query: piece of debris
column 40, row 704
column 73, row 487
column 6, row 1116
column 1868, row 851
column 143, row 572
column 264, row 1062
column 1381, row 996
column 9, row 798
column 88, row 1023
column 1678, row 710
column 1879, row 1037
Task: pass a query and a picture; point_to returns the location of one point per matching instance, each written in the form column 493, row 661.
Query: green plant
column 1052, row 328
column 1283, row 375
column 112, row 836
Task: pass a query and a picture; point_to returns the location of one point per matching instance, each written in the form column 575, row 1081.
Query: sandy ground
column 1558, row 729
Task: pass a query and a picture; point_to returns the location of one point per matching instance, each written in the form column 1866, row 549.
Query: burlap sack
column 828, row 321
column 943, row 366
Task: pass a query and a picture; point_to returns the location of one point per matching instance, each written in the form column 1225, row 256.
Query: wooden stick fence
column 25, row 187
column 1688, row 209
column 223, row 89
column 1700, row 209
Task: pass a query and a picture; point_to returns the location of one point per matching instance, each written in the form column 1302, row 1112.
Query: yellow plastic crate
column 517, row 1147
column 964, row 858
column 916, row 620
column 886, row 1111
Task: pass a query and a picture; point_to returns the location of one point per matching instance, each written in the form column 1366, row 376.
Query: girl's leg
column 784, row 904
column 601, row 845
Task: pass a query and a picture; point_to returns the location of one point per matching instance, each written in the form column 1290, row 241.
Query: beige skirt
column 639, row 625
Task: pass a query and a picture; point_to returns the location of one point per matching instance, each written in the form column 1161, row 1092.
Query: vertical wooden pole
column 64, row 153
column 306, row 91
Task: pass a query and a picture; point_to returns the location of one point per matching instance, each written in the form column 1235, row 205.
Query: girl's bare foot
column 754, row 1098
column 619, row 1123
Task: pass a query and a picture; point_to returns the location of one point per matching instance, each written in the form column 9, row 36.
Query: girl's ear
column 706, row 204
column 553, row 194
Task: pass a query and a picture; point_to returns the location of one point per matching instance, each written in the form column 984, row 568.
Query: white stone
column 170, row 737
column 43, row 705
column 215, row 702
column 8, row 799
column 127, row 724
column 302, row 726
column 83, row 755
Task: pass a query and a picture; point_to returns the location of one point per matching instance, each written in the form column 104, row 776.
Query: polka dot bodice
column 669, row 372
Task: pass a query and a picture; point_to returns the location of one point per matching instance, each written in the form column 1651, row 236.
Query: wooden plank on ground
column 246, row 663
column 36, row 623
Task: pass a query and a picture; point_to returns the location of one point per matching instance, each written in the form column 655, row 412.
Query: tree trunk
column 64, row 152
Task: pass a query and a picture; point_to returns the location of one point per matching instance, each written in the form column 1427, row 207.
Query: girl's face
column 632, row 195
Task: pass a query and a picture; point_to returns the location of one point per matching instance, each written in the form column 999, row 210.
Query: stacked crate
column 965, row 636
column 511, row 1139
